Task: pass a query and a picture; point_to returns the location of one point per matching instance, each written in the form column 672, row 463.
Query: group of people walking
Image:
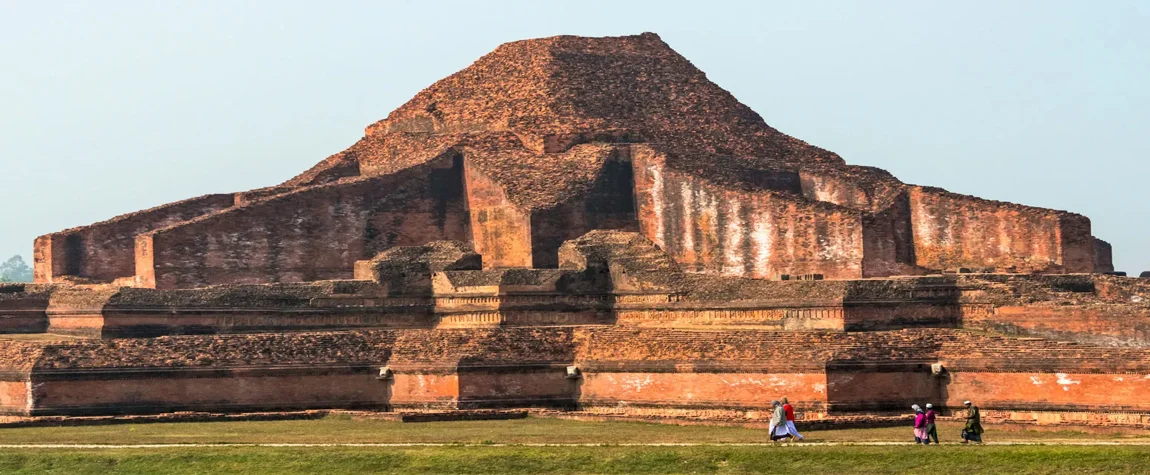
column 925, row 430
column 924, row 427
column 783, row 423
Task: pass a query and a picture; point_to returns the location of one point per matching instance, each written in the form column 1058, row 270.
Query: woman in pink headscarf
column 919, row 426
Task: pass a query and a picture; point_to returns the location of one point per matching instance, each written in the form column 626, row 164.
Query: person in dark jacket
column 972, row 432
column 931, row 430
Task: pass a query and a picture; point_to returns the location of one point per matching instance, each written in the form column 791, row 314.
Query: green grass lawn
column 515, row 459
column 348, row 429
column 608, row 459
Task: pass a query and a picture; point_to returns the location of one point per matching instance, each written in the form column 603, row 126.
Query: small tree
column 15, row 270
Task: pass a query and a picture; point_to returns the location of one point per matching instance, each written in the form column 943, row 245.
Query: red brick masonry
column 544, row 140
column 582, row 224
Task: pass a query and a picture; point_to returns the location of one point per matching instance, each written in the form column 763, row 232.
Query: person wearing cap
column 789, row 410
column 919, row 424
column 972, row 432
column 931, row 430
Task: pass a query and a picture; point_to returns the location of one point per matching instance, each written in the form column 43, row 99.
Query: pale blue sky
column 112, row 106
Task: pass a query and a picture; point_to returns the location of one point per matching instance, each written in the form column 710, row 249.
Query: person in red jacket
column 790, row 410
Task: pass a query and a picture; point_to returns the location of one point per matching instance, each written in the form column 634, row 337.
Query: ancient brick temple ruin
column 591, row 225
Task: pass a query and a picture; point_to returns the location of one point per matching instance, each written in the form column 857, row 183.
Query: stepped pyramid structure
column 581, row 224
column 544, row 140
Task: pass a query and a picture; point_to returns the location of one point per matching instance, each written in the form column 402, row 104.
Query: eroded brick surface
column 591, row 224
column 544, row 140
column 658, row 369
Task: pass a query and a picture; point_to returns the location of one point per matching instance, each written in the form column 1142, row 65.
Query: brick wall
column 610, row 204
column 881, row 387
column 829, row 188
column 105, row 251
column 13, row 395
column 683, row 388
column 425, row 389
column 23, row 309
column 523, row 386
column 127, row 392
column 78, row 311
column 888, row 240
column 1105, row 324
column 500, row 230
column 1103, row 256
column 884, row 316
column 1076, row 244
column 315, row 233
column 711, row 228
column 631, row 368
column 16, row 362
column 1037, row 391
column 952, row 230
